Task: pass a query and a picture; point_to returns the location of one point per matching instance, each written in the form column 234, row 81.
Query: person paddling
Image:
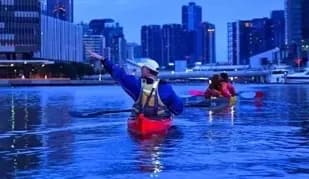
column 153, row 97
column 227, row 87
column 214, row 88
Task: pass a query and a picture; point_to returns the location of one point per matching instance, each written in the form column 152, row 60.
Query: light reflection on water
column 266, row 138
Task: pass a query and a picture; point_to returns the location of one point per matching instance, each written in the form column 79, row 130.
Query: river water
column 253, row 139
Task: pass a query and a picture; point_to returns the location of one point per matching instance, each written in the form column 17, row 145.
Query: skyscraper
column 61, row 9
column 208, row 32
column 297, row 26
column 238, row 42
column 115, row 42
column 192, row 16
column 259, row 36
column 134, row 51
column 151, row 37
column 19, row 40
column 251, row 37
column 278, row 28
column 174, row 44
column 95, row 43
column 200, row 35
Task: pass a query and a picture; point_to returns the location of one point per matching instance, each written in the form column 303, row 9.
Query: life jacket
column 225, row 91
column 212, row 93
column 149, row 102
column 231, row 88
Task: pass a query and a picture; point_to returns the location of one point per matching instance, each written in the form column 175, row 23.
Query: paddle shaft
column 98, row 113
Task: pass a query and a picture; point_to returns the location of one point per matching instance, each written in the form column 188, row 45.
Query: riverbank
column 53, row 82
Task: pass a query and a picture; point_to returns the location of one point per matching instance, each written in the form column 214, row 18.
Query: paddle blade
column 251, row 94
column 259, row 94
column 196, row 92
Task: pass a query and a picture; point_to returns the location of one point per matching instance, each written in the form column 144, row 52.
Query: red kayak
column 142, row 125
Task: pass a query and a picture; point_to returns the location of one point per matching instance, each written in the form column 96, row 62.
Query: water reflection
column 151, row 150
column 226, row 113
column 24, row 137
column 20, row 148
column 38, row 138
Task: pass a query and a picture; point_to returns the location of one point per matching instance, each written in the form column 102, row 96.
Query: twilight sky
column 132, row 14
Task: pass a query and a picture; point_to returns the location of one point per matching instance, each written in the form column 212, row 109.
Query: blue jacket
column 132, row 87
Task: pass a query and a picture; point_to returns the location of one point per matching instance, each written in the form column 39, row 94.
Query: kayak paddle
column 97, row 113
column 242, row 94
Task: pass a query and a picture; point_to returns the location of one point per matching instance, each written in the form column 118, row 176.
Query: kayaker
column 227, row 87
column 153, row 97
column 214, row 88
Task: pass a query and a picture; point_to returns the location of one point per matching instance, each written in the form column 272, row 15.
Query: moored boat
column 298, row 77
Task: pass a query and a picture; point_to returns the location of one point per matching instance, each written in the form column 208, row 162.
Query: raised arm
column 129, row 83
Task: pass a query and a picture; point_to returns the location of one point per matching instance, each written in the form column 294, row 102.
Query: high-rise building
column 192, row 21
column 297, row 26
column 19, row 29
column 173, row 43
column 208, row 32
column 232, row 43
column 251, row 37
column 192, row 16
column 95, row 43
column 61, row 9
column 60, row 40
column 277, row 29
column 25, row 33
column 115, row 42
column 134, row 51
column 238, row 42
column 259, row 36
column 151, row 40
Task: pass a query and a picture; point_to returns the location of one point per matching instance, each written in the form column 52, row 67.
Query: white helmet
column 150, row 64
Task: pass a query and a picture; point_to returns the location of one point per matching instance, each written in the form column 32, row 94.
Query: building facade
column 95, row 43
column 238, row 42
column 151, row 41
column 115, row 42
column 248, row 38
column 173, row 43
column 191, row 16
column 278, row 29
column 208, row 36
column 134, row 51
column 297, row 27
column 19, row 29
column 60, row 40
column 60, row 9
column 192, row 20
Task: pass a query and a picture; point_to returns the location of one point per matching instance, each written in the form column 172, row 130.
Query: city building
column 134, row 51
column 30, row 39
column 192, row 20
column 115, row 42
column 208, row 36
column 60, row 9
column 200, row 36
column 248, row 38
column 297, row 27
column 95, row 43
column 60, row 40
column 191, row 16
column 151, row 40
column 173, row 45
column 19, row 29
column 277, row 29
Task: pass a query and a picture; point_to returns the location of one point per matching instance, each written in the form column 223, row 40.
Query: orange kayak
column 142, row 125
